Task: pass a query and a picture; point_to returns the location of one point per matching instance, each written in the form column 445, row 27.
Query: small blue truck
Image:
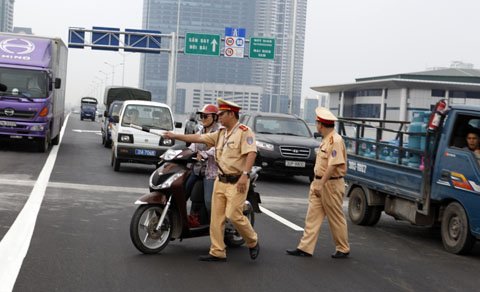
column 421, row 172
column 88, row 109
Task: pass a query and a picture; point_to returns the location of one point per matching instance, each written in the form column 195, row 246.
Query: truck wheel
column 456, row 234
column 56, row 140
column 375, row 214
column 358, row 210
column 44, row 143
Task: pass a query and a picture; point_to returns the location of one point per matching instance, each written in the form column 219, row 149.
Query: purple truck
column 33, row 72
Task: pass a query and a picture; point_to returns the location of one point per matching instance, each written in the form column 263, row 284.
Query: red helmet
column 208, row 109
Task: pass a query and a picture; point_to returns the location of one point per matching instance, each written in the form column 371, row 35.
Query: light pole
column 113, row 70
column 174, row 91
column 106, row 76
column 292, row 58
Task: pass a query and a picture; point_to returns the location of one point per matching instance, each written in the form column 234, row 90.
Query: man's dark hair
column 472, row 130
column 237, row 115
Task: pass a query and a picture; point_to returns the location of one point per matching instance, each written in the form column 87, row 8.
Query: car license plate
column 290, row 163
column 8, row 124
column 145, row 152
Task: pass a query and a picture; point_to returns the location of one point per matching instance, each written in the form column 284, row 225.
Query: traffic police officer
column 326, row 191
column 235, row 155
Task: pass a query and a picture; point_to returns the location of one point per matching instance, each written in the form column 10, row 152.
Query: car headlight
column 170, row 154
column 37, row 128
column 166, row 141
column 168, row 183
column 125, row 138
column 265, row 146
column 316, row 150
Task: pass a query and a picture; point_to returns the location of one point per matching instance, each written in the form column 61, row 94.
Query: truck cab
column 423, row 173
column 130, row 145
column 88, row 109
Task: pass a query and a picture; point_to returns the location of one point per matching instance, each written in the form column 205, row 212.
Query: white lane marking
column 288, row 223
column 281, row 219
column 14, row 245
column 86, row 131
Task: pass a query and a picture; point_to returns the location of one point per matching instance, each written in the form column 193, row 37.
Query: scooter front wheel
column 143, row 231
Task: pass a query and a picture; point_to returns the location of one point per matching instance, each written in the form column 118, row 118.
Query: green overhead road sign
column 262, row 48
column 202, row 44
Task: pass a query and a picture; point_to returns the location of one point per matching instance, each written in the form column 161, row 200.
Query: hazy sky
column 345, row 39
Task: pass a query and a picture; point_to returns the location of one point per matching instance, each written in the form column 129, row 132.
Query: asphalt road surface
column 81, row 240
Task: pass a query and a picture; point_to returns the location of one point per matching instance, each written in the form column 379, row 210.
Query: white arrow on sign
column 214, row 45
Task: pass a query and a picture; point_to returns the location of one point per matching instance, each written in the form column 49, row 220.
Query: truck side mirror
column 58, row 83
column 178, row 125
column 105, row 114
column 115, row 119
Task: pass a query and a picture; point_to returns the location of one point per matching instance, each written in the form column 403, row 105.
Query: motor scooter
column 162, row 216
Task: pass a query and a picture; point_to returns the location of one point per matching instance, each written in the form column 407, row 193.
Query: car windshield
column 281, row 126
column 115, row 109
column 26, row 83
column 154, row 117
column 88, row 106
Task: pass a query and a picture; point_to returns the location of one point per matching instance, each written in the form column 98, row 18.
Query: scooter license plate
column 145, row 152
column 7, row 124
column 290, row 163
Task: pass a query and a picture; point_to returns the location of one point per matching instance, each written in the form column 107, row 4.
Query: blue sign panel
column 143, row 41
column 105, row 38
column 76, row 38
column 235, row 32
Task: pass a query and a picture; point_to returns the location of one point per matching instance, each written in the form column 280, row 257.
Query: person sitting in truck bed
column 473, row 142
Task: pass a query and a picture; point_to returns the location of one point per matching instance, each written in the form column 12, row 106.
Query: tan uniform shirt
column 332, row 152
column 231, row 148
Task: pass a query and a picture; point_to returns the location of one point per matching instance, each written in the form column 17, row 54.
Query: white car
column 136, row 146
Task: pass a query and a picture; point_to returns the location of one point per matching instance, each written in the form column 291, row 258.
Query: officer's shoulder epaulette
column 243, row 127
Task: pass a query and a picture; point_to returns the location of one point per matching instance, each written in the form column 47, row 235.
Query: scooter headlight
column 170, row 154
column 168, row 183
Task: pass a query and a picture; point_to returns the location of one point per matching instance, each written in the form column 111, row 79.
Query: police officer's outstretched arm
column 192, row 138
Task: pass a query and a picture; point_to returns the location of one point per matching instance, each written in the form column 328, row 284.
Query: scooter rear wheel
column 143, row 231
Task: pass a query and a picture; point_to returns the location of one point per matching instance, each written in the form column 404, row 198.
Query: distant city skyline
column 263, row 18
column 6, row 15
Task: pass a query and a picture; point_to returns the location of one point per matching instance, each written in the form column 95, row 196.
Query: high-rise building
column 264, row 18
column 275, row 18
column 6, row 15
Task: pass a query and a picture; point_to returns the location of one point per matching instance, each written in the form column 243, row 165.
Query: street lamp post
column 113, row 71
column 292, row 55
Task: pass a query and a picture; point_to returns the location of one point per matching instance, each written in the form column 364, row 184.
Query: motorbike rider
column 235, row 154
column 206, row 168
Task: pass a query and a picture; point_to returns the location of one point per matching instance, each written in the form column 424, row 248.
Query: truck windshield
column 281, row 126
column 154, row 117
column 22, row 82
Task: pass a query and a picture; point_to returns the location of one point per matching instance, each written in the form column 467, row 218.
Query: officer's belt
column 332, row 177
column 229, row 179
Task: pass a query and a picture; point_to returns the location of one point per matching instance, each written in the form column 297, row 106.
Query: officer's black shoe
column 340, row 255
column 211, row 258
column 254, row 251
column 298, row 252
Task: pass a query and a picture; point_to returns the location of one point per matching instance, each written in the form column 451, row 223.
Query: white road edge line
column 281, row 219
column 14, row 245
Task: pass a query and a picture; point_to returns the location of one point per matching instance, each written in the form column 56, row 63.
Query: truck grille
column 26, row 115
column 294, row 152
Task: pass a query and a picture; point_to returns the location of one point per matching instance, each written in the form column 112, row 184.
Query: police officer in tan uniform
column 235, row 155
column 326, row 191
